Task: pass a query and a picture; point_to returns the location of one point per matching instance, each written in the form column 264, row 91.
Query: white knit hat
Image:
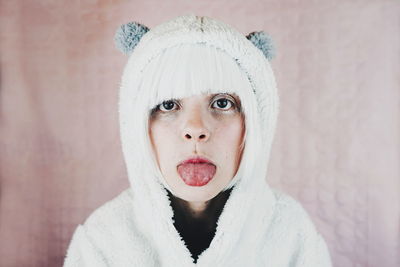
column 251, row 54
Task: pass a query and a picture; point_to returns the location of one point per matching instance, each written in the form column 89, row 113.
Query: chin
column 197, row 193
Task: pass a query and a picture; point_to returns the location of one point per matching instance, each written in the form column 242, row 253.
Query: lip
column 196, row 159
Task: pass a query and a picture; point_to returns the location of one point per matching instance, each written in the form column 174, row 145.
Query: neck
column 196, row 208
column 209, row 210
column 196, row 222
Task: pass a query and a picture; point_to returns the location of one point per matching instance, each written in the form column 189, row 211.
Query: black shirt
column 197, row 231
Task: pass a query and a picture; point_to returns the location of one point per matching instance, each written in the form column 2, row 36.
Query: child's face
column 209, row 126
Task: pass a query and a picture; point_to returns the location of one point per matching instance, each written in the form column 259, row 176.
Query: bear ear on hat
column 128, row 36
column 263, row 41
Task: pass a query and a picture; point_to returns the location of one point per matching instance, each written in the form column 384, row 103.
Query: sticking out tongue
column 196, row 174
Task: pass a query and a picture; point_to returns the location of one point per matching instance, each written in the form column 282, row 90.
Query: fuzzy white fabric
column 278, row 235
column 259, row 226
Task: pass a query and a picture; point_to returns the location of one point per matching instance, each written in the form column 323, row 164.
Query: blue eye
column 222, row 103
column 166, row 105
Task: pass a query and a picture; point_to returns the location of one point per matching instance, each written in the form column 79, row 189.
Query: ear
column 263, row 41
column 128, row 36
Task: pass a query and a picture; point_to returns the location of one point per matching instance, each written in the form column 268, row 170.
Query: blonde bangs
column 191, row 69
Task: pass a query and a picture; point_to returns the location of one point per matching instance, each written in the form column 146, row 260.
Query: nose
column 195, row 128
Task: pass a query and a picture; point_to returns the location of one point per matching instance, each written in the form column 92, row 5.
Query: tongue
column 196, row 174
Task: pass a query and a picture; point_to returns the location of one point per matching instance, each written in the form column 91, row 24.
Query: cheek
column 235, row 130
column 161, row 138
column 230, row 136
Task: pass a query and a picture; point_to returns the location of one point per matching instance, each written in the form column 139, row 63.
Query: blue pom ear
column 263, row 41
column 128, row 36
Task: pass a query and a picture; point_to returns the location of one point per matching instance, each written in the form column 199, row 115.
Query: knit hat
column 247, row 56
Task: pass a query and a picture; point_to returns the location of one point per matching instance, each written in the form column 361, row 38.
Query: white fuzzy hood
column 258, row 226
column 251, row 186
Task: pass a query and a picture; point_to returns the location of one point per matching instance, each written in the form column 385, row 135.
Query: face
column 210, row 126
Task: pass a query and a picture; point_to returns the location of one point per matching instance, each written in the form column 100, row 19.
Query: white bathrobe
column 276, row 232
column 259, row 226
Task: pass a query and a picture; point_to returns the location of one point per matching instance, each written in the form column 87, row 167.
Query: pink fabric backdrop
column 337, row 148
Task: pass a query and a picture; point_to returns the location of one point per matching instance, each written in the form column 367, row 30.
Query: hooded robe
column 258, row 225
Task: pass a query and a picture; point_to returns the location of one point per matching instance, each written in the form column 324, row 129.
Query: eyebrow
column 234, row 96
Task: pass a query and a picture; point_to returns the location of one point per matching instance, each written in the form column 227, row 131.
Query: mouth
column 196, row 171
column 196, row 159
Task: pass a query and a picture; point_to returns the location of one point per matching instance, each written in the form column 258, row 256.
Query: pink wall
column 337, row 148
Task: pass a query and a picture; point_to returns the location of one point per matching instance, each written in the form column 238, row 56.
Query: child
column 198, row 110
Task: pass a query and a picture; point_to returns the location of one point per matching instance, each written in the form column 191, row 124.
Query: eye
column 166, row 105
column 223, row 103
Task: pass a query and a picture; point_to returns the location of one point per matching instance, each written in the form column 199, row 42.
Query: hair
column 191, row 69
